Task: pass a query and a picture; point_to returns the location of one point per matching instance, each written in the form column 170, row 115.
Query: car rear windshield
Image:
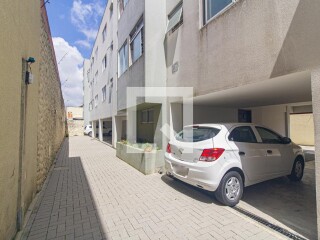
column 196, row 134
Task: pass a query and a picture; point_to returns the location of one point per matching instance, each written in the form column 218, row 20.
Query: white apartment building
column 246, row 60
column 121, row 58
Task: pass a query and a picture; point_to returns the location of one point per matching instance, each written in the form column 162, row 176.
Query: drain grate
column 269, row 225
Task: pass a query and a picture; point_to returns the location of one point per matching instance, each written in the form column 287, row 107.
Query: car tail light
column 210, row 155
column 168, row 148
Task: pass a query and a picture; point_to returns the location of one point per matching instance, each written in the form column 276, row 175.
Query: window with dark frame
column 213, row 8
column 96, row 53
column 175, row 18
column 111, row 9
column 104, row 33
column 96, row 99
column 104, row 63
column 123, row 60
column 122, row 5
column 242, row 134
column 96, row 76
column 110, row 89
column 147, row 116
column 136, row 41
column 244, row 116
column 104, row 93
column 268, row 136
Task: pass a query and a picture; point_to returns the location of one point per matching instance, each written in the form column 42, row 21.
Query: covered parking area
column 292, row 206
column 102, row 130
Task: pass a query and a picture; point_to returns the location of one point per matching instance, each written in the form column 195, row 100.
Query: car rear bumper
column 204, row 175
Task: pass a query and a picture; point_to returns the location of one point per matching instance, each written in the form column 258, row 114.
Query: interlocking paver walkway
column 91, row 194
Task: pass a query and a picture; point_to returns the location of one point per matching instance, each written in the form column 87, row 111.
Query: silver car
column 224, row 158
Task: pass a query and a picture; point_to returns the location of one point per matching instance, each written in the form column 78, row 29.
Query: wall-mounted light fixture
column 29, row 75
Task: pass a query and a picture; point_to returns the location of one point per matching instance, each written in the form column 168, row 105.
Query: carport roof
column 292, row 88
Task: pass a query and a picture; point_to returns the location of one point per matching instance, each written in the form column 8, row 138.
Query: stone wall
column 51, row 116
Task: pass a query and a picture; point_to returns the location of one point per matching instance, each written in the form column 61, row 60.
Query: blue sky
column 74, row 25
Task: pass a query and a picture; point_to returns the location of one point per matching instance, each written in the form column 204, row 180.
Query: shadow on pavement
column 65, row 208
column 189, row 190
column 291, row 203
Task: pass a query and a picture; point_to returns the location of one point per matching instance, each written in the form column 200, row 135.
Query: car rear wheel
column 90, row 134
column 230, row 189
column 297, row 170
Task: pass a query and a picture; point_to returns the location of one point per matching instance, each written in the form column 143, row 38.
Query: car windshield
column 196, row 134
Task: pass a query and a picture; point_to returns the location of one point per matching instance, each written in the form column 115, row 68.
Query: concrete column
column 132, row 125
column 100, row 130
column 94, row 130
column 157, row 139
column 315, row 86
column 114, row 132
column 176, row 118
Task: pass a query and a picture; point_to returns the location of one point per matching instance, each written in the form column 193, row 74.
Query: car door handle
column 269, row 151
column 242, row 153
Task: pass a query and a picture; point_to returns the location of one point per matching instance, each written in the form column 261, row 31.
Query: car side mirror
column 286, row 140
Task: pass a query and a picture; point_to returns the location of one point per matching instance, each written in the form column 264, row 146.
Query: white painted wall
column 273, row 117
column 104, row 108
column 155, row 29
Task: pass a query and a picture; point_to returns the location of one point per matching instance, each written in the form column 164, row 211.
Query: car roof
column 219, row 125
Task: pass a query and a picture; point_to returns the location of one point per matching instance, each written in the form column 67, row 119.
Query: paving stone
column 94, row 195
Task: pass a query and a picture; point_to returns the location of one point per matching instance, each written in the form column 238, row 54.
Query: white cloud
column 86, row 18
column 70, row 70
column 90, row 33
column 83, row 43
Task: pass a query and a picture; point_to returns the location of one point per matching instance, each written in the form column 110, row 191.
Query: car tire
column 230, row 189
column 90, row 134
column 297, row 170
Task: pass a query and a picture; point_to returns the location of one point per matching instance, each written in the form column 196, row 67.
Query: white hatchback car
column 226, row 157
column 88, row 130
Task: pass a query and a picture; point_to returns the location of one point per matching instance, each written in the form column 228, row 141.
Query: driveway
column 291, row 205
column 91, row 194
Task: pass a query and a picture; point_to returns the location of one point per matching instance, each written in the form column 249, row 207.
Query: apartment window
column 91, row 105
column 104, row 93
column 96, row 53
column 104, row 63
column 123, row 59
column 104, row 33
column 111, row 9
column 175, row 18
column 147, row 116
column 213, row 8
column 110, row 89
column 96, row 76
column 96, row 99
column 136, row 41
column 122, row 5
